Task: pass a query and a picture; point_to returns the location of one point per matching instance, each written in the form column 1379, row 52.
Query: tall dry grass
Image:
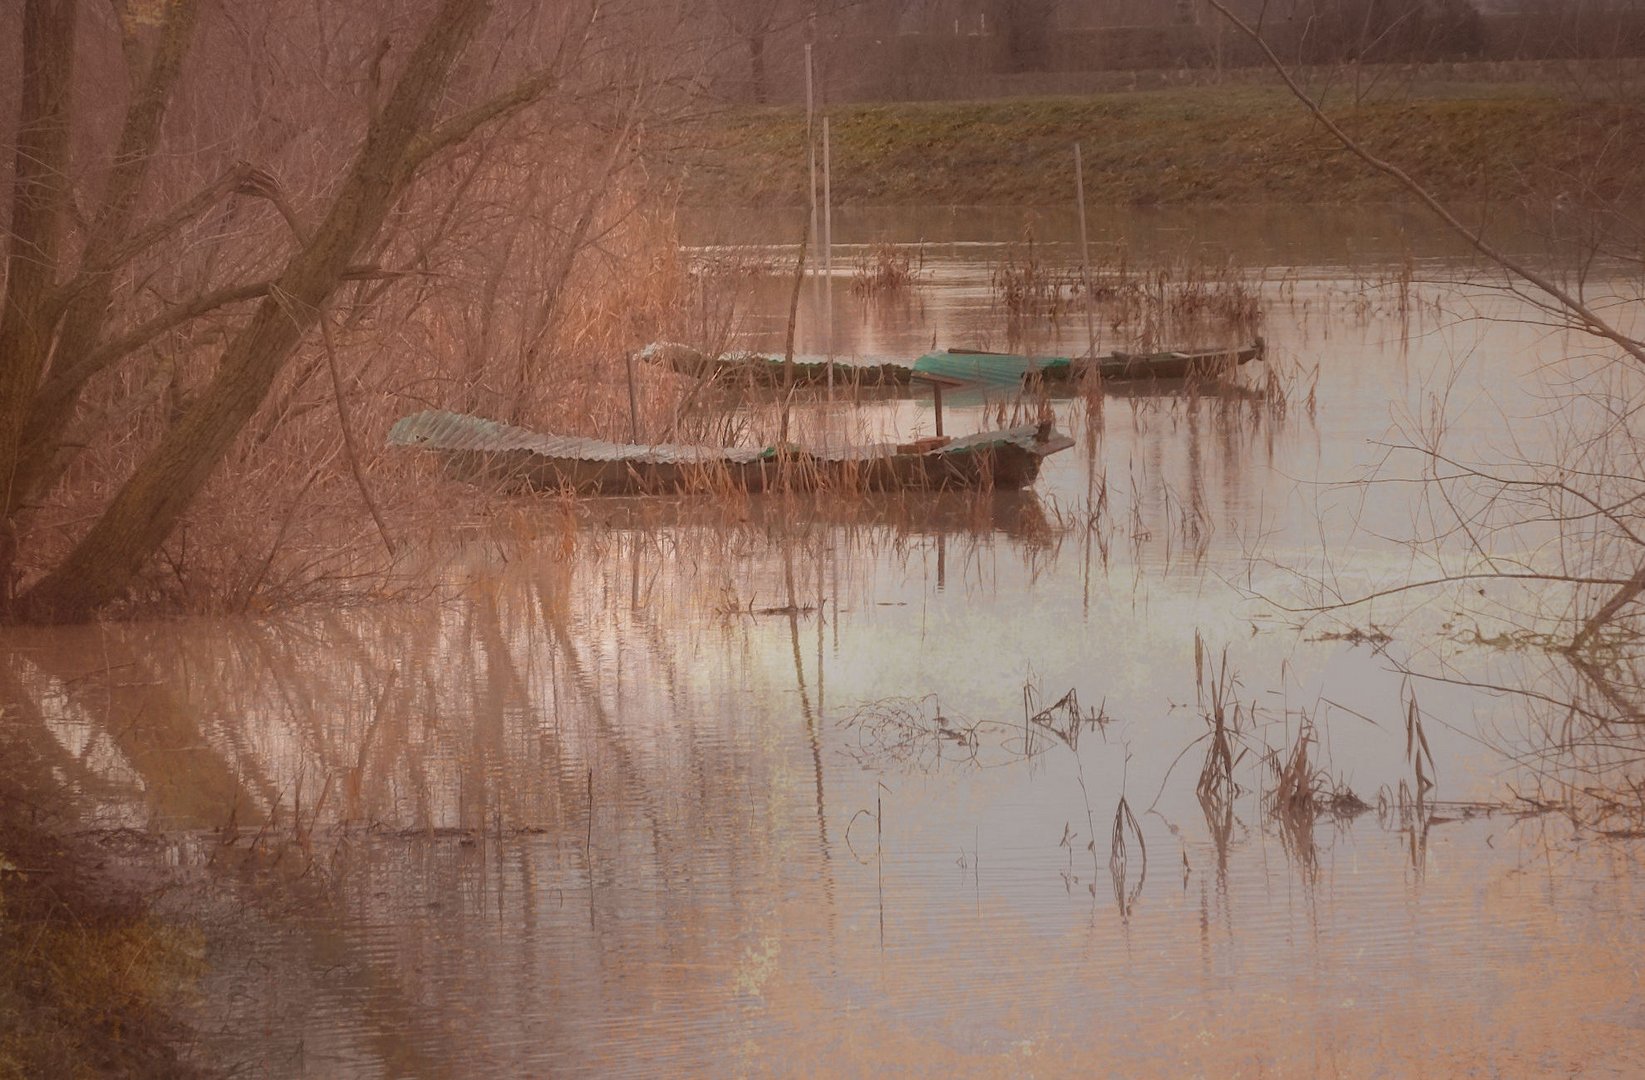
column 527, row 249
column 491, row 315
column 1192, row 299
column 886, row 271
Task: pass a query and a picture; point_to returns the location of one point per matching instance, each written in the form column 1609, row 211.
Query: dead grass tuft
column 886, row 271
column 90, row 982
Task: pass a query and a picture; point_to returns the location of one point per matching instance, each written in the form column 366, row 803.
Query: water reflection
column 589, row 817
column 909, row 783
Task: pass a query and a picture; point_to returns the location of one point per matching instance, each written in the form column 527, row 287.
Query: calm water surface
column 760, row 796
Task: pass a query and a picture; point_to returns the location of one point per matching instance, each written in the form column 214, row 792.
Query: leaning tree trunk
column 40, row 196
column 86, row 297
column 756, row 65
column 107, row 560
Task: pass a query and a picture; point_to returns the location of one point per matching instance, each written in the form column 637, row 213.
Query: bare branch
column 81, row 308
column 1620, row 599
column 40, row 197
column 262, row 184
column 142, row 129
column 457, row 128
column 348, row 434
column 1450, row 579
column 167, row 223
column 136, row 522
column 65, row 381
column 1584, row 315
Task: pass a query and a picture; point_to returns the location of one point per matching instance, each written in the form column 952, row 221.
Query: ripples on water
column 608, row 806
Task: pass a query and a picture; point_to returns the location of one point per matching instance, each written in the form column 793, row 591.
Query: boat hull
column 1002, row 468
column 763, row 370
column 497, row 455
column 1129, row 367
column 1010, row 371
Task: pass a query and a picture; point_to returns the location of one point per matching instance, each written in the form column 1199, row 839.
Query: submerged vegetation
column 575, row 753
column 887, row 271
column 1174, row 302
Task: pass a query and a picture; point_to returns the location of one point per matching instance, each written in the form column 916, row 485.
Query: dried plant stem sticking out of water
column 1417, row 755
column 1215, row 686
column 1191, row 299
column 1062, row 718
column 886, row 271
column 911, row 732
column 1125, row 831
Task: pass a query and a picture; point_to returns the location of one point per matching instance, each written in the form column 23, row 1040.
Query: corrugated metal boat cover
column 438, row 430
column 449, row 431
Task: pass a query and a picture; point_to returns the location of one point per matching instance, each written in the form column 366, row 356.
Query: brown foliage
column 296, row 223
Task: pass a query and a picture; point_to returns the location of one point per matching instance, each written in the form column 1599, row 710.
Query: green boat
column 978, row 367
column 486, row 451
column 766, row 370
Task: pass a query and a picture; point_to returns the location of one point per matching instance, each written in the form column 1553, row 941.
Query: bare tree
column 1588, row 489
column 94, row 231
column 752, row 22
column 1024, row 29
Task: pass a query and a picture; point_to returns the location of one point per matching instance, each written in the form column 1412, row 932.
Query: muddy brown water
column 760, row 796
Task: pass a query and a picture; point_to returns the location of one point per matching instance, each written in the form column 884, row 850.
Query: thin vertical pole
column 817, row 282
column 633, row 405
column 1085, row 253
column 788, row 350
column 810, row 137
column 828, row 252
column 810, row 90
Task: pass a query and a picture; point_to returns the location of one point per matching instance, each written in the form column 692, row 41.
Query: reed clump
column 1184, row 301
column 310, row 505
column 886, row 271
column 1029, row 289
column 1226, row 718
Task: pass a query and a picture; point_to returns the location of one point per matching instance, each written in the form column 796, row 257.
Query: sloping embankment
column 1199, row 144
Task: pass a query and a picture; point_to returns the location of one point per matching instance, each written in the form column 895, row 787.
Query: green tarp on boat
column 1010, row 371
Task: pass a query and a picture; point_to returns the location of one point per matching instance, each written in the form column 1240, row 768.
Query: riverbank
column 92, row 981
column 1201, row 144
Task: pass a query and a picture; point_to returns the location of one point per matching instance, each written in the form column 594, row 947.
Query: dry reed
column 887, row 271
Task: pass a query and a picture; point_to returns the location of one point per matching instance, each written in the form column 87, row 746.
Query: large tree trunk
column 756, row 65
column 87, row 297
column 40, row 196
column 130, row 531
column 1023, row 29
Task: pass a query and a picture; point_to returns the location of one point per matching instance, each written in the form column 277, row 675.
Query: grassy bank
column 91, row 982
column 1194, row 144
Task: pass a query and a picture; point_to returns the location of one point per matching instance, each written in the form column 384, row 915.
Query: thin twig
column 348, row 435
column 1590, row 320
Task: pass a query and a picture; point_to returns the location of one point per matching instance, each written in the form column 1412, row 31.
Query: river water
column 758, row 792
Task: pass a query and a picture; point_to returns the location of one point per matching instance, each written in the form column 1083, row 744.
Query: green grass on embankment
column 1238, row 144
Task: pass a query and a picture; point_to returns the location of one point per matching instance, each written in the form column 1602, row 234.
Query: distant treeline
column 916, row 49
